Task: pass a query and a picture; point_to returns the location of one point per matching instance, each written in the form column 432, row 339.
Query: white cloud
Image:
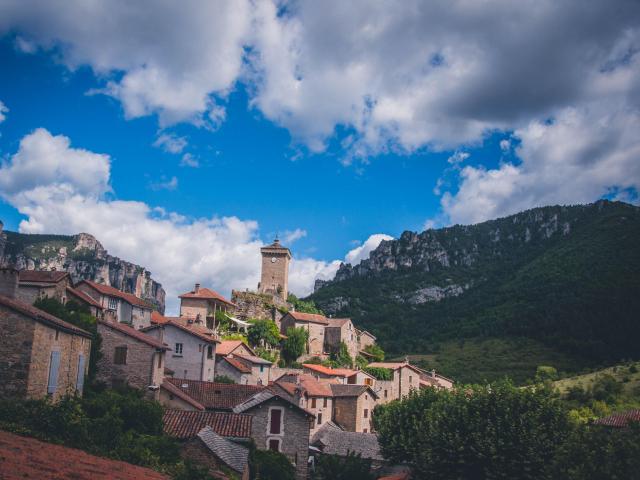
column 188, row 160
column 170, row 184
column 360, row 253
column 3, row 112
column 170, row 143
column 291, row 236
column 505, row 145
column 61, row 189
column 458, row 157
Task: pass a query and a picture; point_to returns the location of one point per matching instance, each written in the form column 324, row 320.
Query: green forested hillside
column 564, row 278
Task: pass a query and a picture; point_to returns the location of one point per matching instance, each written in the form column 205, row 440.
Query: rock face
column 84, row 258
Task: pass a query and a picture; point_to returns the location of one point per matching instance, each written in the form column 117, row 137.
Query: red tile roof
column 338, row 322
column 83, row 297
column 42, row 316
column 175, row 391
column 135, row 334
column 158, row 318
column 620, row 420
column 202, row 332
column 23, row 457
column 208, row 294
column 215, row 396
column 228, row 346
column 336, row 372
column 42, row 276
column 184, row 424
column 307, row 384
column 237, row 364
column 114, row 292
column 309, row 317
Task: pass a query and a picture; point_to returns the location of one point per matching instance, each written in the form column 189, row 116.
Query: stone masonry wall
column 46, row 340
column 15, row 352
column 345, row 412
column 294, row 439
column 261, row 306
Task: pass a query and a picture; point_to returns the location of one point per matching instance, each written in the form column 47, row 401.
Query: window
column 364, row 430
column 120, row 356
column 209, row 352
column 261, row 368
column 178, row 349
column 320, row 419
column 274, row 444
column 54, row 366
column 113, row 303
column 142, row 312
column 385, row 394
column 80, row 375
column 324, row 403
column 366, row 413
column 313, row 403
column 159, row 359
column 410, row 379
column 275, row 421
column 57, row 334
column 367, row 381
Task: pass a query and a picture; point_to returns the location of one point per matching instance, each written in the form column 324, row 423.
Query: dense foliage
column 564, row 278
column 269, row 465
column 376, row 352
column 494, row 431
column 379, row 373
column 335, row 467
column 77, row 315
column 264, row 333
column 295, row 344
column 341, row 357
column 305, row 306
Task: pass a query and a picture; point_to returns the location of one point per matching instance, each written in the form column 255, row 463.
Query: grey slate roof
column 234, row 455
column 342, row 390
column 262, row 397
column 332, row 440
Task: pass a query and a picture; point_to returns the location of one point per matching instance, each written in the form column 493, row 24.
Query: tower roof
column 275, row 247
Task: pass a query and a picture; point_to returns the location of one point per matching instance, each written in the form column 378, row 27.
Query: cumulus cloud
column 360, row 253
column 62, row 189
column 505, row 145
column 170, row 143
column 291, row 236
column 188, row 160
column 3, row 112
column 458, row 157
column 170, row 184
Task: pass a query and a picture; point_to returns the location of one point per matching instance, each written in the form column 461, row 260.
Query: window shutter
column 276, row 416
column 54, row 366
column 80, row 378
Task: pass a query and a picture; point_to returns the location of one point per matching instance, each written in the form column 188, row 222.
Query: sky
column 186, row 135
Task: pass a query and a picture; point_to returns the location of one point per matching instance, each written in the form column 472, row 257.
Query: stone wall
column 261, row 306
column 15, row 352
column 8, row 282
column 195, row 450
column 223, row 368
column 295, row 435
column 139, row 371
column 345, row 412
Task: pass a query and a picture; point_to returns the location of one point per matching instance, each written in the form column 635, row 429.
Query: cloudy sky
column 185, row 135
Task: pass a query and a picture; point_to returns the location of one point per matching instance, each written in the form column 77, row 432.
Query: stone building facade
column 244, row 369
column 202, row 304
column 406, row 377
column 274, row 278
column 118, row 306
column 353, row 406
column 36, row 284
column 278, row 424
column 314, row 324
column 40, row 355
column 341, row 330
column 131, row 357
column 259, row 306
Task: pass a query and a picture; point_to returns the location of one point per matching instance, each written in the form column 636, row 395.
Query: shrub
column 263, row 333
column 379, row 373
column 269, row 465
column 376, row 351
column 335, row 467
column 224, row 379
column 295, row 345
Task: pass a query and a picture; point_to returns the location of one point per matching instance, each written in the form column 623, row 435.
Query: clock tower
column 275, row 270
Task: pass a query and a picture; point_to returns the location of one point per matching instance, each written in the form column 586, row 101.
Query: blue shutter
column 80, row 379
column 54, row 366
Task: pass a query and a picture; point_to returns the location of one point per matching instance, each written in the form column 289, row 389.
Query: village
column 221, row 376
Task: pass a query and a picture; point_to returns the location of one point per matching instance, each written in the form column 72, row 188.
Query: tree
column 308, row 306
column 269, row 465
column 295, row 345
column 494, row 431
column 546, row 373
column 375, row 351
column 264, row 332
column 335, row 467
column 379, row 373
column 78, row 315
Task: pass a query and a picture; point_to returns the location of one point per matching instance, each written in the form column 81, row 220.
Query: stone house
column 341, row 330
column 312, row 395
column 40, row 355
column 281, row 425
column 365, row 339
column 313, row 323
column 216, row 452
column 244, row 369
column 339, row 375
column 405, row 377
column 210, row 395
column 202, row 304
column 193, row 354
column 332, row 440
column 233, row 347
column 131, row 357
column 353, row 406
column 78, row 296
column 118, row 306
column 36, row 284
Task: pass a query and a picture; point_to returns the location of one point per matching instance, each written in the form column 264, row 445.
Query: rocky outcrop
column 84, row 257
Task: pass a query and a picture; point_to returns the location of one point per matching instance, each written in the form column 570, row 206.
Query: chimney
column 197, row 288
column 9, row 282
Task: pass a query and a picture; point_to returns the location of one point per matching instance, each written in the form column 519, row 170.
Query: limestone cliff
column 84, row 257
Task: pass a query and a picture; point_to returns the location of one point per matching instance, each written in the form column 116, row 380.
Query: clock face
column 274, row 259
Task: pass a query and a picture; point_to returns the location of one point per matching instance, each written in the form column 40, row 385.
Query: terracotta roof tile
column 42, row 276
column 337, row 372
column 309, row 317
column 83, row 297
column 157, row 318
column 620, row 420
column 237, row 364
column 307, row 384
column 228, row 346
column 42, row 316
column 186, row 424
column 135, row 334
column 114, row 292
column 202, row 332
column 206, row 293
column 215, row 396
column 337, row 322
column 24, row 457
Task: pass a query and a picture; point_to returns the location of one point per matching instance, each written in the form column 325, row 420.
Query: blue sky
column 329, row 126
